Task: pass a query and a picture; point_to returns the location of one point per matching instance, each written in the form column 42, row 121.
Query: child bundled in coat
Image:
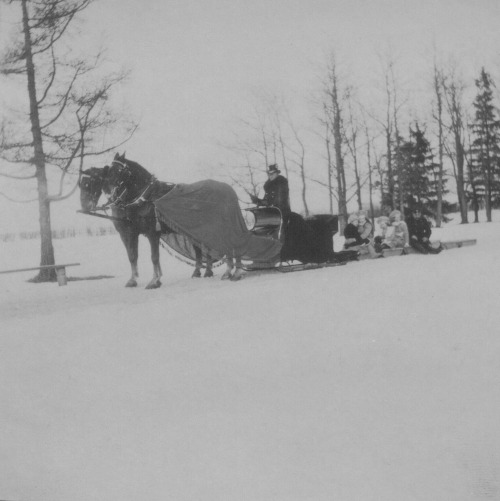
column 394, row 232
column 357, row 234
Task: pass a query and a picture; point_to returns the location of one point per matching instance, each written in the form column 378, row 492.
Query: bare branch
column 51, row 79
column 64, row 100
column 12, row 176
column 18, row 201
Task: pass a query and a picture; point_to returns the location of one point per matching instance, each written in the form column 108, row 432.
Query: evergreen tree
column 485, row 148
column 419, row 174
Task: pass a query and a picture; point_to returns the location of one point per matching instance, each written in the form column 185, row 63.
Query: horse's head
column 91, row 185
column 125, row 180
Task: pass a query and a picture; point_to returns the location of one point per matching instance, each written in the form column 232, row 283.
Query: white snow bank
column 378, row 380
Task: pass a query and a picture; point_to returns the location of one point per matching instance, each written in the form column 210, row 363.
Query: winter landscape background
column 369, row 381
column 377, row 380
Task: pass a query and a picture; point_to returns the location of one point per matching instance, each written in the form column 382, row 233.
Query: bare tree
column 388, row 129
column 299, row 160
column 329, row 158
column 351, row 140
column 268, row 136
column 334, row 112
column 453, row 89
column 371, row 169
column 438, row 90
column 469, row 160
column 68, row 105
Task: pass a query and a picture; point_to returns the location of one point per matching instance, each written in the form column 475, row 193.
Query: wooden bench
column 60, row 271
column 456, row 244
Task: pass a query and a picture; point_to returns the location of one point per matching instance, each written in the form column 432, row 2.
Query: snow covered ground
column 378, row 380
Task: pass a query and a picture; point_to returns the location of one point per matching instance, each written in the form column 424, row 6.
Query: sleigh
column 307, row 243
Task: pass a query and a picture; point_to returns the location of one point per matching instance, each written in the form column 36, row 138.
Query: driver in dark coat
column 277, row 192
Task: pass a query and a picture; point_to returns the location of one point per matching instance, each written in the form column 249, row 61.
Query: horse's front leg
column 131, row 241
column 154, row 242
column 239, row 273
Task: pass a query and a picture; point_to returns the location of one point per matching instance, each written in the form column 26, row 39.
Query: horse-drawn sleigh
column 202, row 222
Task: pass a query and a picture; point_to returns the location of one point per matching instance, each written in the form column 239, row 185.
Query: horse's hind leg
column 208, row 272
column 229, row 269
column 154, row 241
column 131, row 241
column 199, row 262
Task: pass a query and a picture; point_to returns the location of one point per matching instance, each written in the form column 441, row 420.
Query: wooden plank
column 397, row 251
column 44, row 267
column 411, row 250
column 456, row 244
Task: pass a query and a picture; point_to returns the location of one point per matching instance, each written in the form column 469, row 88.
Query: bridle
column 118, row 195
column 91, row 183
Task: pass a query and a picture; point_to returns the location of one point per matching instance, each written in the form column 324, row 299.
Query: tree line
column 382, row 158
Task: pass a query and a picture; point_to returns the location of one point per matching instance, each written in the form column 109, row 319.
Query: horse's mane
column 137, row 167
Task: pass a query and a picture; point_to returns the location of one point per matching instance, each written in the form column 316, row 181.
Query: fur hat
column 273, row 169
column 393, row 214
column 352, row 217
column 383, row 219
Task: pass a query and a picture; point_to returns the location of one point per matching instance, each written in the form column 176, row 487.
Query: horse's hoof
column 227, row 275
column 131, row 283
column 196, row 274
column 154, row 285
column 208, row 274
column 238, row 275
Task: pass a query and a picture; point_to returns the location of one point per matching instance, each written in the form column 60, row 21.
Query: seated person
column 420, row 231
column 400, row 236
column 351, row 233
column 365, row 227
column 382, row 240
column 361, row 240
column 276, row 192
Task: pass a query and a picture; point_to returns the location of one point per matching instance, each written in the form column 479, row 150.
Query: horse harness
column 117, row 196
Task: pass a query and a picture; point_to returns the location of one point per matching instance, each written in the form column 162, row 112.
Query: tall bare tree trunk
column 330, row 167
column 487, row 181
column 439, row 103
column 475, row 196
column 453, row 91
column 462, row 199
column 370, row 178
column 339, row 159
column 388, row 133
column 47, row 249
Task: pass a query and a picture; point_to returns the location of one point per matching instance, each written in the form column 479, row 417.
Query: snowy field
column 374, row 381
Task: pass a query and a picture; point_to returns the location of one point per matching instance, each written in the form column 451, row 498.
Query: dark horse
column 132, row 191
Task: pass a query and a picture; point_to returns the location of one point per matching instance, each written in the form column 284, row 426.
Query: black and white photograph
column 249, row 250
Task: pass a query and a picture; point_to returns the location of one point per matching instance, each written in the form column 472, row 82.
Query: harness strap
column 142, row 196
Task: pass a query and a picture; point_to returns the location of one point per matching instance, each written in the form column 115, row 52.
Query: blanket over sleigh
column 207, row 214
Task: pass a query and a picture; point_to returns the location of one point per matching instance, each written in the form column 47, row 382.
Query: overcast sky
column 195, row 64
